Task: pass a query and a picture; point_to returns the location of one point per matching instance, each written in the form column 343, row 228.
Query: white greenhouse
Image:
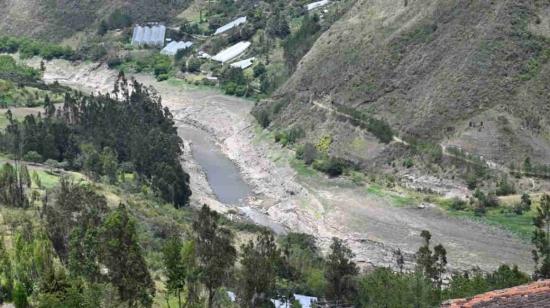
column 231, row 53
column 231, row 25
column 173, row 47
column 318, row 4
column 246, row 63
column 149, row 35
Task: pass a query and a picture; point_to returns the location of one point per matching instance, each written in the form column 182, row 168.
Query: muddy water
column 222, row 174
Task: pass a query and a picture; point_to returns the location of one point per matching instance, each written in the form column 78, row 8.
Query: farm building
column 246, row 63
column 231, row 25
column 173, row 47
column 318, row 4
column 231, row 53
column 149, row 35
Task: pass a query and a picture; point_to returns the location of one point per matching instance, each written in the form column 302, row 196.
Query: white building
column 149, row 35
column 318, row 4
column 235, row 23
column 244, row 64
column 173, row 47
column 231, row 53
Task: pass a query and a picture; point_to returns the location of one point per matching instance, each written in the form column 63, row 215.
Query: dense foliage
column 28, row 48
column 128, row 131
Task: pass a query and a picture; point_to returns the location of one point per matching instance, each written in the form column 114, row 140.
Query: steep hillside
column 474, row 74
column 57, row 19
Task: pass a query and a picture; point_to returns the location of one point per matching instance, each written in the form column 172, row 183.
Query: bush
column 504, row 188
column 230, row 88
column 307, row 153
column 33, row 156
column 458, row 204
column 20, row 296
column 163, row 77
column 408, row 163
column 381, row 129
column 333, row 167
column 259, row 70
column 162, row 65
column 194, row 65
column 324, row 144
column 489, row 200
column 524, row 205
column 241, row 90
column 262, row 117
column 114, row 62
column 357, row 178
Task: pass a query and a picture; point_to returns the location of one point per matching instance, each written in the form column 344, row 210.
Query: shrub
column 309, row 153
column 241, row 90
column 408, row 163
column 262, row 117
column 524, row 205
column 194, row 65
column 230, row 88
column 333, row 167
column 381, row 129
column 458, row 204
column 163, row 77
column 324, row 144
column 161, row 65
column 471, row 180
column 504, row 188
column 259, row 70
column 114, row 62
column 357, row 178
column 33, row 156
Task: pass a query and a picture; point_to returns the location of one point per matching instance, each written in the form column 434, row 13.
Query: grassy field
column 501, row 217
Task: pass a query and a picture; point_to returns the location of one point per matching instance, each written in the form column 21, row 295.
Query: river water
column 222, row 174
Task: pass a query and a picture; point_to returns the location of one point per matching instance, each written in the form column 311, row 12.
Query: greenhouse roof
column 244, row 63
column 231, row 52
column 231, row 25
column 173, row 47
column 317, row 4
column 149, row 35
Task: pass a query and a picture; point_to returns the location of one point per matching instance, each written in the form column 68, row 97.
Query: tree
column 340, row 272
column 258, row 273
column 109, row 164
column 122, row 256
column 76, row 207
column 20, row 296
column 174, row 267
column 399, row 259
column 541, row 238
column 215, row 251
column 6, row 274
column 431, row 264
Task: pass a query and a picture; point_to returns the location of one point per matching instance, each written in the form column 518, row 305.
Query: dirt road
column 372, row 226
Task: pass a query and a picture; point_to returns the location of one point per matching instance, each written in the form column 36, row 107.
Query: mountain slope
column 57, row 19
column 474, row 74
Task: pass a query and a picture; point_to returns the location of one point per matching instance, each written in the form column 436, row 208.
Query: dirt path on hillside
column 322, row 207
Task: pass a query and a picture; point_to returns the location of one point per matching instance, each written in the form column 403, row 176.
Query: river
column 222, row 174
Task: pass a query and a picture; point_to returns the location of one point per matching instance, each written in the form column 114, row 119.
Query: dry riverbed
column 370, row 223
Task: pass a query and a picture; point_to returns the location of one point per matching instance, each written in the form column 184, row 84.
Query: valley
column 274, row 154
column 373, row 220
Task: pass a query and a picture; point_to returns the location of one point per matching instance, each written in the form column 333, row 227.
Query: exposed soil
column 371, row 225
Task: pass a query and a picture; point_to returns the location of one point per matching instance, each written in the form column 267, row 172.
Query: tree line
column 202, row 267
column 86, row 254
column 126, row 131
